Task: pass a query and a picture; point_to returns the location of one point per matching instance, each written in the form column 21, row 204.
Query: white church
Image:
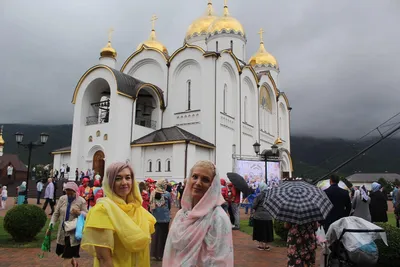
column 164, row 111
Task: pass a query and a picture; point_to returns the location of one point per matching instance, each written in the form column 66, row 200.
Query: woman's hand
column 77, row 212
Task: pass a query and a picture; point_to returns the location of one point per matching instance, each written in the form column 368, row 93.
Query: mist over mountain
column 312, row 156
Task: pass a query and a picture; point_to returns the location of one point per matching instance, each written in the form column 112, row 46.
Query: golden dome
column 200, row 26
column 108, row 51
column 226, row 23
column 262, row 57
column 152, row 42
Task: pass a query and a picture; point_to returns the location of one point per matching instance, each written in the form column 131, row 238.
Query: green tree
column 387, row 186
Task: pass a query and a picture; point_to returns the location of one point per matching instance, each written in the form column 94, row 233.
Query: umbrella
column 325, row 184
column 297, row 202
column 46, row 245
column 239, row 182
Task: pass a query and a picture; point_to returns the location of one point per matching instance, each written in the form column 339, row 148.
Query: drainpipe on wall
column 166, row 97
column 186, row 156
column 240, row 113
column 132, row 119
column 215, row 108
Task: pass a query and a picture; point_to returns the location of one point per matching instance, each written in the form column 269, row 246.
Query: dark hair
column 335, row 179
column 142, row 186
column 158, row 196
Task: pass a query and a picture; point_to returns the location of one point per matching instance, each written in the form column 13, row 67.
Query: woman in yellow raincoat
column 118, row 229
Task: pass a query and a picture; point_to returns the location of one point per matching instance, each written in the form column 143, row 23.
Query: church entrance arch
column 98, row 163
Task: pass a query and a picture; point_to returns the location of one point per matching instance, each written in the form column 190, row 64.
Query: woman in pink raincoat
column 201, row 233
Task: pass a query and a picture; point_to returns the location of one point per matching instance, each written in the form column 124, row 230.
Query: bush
column 24, row 222
column 280, row 230
column 389, row 256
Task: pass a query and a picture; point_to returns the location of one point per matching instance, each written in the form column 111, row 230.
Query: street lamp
column 19, row 137
column 256, row 147
column 274, row 149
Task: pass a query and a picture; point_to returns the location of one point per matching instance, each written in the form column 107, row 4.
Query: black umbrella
column 239, row 182
column 297, row 202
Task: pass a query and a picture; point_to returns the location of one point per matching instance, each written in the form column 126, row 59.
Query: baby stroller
column 351, row 243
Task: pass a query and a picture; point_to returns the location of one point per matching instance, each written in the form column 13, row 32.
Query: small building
column 359, row 179
column 19, row 168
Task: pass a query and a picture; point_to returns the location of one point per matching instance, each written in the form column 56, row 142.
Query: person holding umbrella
column 239, row 184
column 300, row 205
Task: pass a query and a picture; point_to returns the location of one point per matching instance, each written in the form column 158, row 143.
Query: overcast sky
column 339, row 60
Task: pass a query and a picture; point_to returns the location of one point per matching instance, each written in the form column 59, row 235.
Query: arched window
column 189, row 92
column 149, row 166
column 216, row 46
column 158, row 165
column 225, row 99
column 231, row 45
column 168, row 165
column 245, row 109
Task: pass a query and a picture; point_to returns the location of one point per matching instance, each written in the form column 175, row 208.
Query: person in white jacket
column 39, row 189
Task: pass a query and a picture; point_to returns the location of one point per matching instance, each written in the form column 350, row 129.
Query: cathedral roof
column 108, row 51
column 131, row 86
column 62, row 150
column 14, row 160
column 200, row 26
column 226, row 23
column 171, row 134
column 262, row 57
column 152, row 42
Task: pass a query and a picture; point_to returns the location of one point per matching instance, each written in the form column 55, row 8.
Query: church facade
column 164, row 111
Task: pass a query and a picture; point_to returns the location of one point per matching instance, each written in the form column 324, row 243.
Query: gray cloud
column 339, row 60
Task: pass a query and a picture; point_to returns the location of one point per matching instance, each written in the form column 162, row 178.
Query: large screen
column 273, row 173
column 252, row 171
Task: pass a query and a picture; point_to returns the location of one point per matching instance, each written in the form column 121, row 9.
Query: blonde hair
column 204, row 164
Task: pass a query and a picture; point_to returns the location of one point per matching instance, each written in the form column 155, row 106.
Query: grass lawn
column 6, row 240
column 244, row 227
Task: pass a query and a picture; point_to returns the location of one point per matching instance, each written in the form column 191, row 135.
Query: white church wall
column 178, row 162
column 138, row 162
column 149, row 66
column 199, row 41
column 120, row 131
column 228, row 116
column 284, row 123
column 228, row 41
column 200, row 72
column 203, row 153
column 157, row 154
column 84, row 97
column 56, row 161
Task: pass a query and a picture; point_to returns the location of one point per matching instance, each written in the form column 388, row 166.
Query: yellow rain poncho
column 125, row 228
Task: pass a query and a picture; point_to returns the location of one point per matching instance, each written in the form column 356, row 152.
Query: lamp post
column 19, row 137
column 273, row 152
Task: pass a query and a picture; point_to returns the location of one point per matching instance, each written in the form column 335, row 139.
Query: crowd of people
column 128, row 223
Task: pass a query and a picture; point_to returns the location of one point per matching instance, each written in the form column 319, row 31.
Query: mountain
column 312, row 157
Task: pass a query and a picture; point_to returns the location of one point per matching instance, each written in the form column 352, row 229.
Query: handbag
column 251, row 220
column 70, row 225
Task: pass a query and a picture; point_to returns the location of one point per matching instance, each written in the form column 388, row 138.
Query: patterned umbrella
column 297, row 202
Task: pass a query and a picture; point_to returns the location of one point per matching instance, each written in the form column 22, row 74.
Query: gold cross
column 261, row 34
column 110, row 32
column 153, row 21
